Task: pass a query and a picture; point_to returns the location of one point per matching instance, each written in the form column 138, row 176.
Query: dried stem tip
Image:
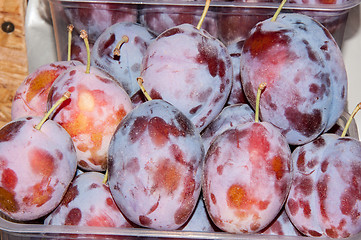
column 357, row 108
column 84, row 36
column 259, row 91
column 140, row 82
column 124, row 39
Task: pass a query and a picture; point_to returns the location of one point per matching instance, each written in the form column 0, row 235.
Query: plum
column 97, row 106
column 190, row 69
column 325, row 197
column 155, row 164
column 247, row 176
column 31, row 96
column 36, row 167
column 125, row 68
column 88, row 202
column 237, row 95
column 160, row 18
column 230, row 116
column 305, row 73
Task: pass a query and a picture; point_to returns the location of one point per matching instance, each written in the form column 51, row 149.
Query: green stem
column 70, row 30
column 60, row 101
column 357, row 108
column 204, row 13
column 259, row 91
column 278, row 10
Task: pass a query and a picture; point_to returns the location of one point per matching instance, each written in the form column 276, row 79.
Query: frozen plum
column 97, row 106
column 247, row 176
column 88, row 202
column 36, row 167
column 125, row 65
column 305, row 74
column 325, row 197
column 161, row 18
column 155, row 164
column 230, row 116
column 31, row 96
column 237, row 95
column 190, row 69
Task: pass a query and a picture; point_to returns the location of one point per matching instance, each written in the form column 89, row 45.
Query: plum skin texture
column 305, row 75
column 155, row 165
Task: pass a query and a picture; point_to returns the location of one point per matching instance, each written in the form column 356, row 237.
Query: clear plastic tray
column 332, row 16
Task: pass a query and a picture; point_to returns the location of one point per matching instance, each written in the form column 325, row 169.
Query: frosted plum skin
column 88, row 202
column 31, row 96
column 247, row 176
column 28, row 153
column 190, row 69
column 230, row 116
column 325, row 197
column 126, row 68
column 305, row 75
column 91, row 115
column 155, row 166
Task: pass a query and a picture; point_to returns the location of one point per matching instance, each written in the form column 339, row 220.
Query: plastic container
column 228, row 20
column 243, row 15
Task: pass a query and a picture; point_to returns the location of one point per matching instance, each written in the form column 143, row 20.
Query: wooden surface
column 13, row 58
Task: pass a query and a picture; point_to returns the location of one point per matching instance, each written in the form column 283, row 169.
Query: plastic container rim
column 288, row 6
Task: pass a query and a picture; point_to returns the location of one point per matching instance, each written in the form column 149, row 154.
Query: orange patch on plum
column 9, row 179
column 237, row 197
column 7, row 201
column 40, row 194
column 277, row 167
column 167, row 176
column 42, row 81
column 41, row 162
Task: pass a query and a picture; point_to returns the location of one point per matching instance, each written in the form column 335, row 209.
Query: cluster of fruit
column 179, row 131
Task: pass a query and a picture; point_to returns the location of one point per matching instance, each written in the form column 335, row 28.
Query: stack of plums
column 177, row 130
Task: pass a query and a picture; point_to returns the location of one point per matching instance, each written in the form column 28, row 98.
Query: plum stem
column 140, row 82
column 259, row 91
column 124, row 39
column 278, row 11
column 204, row 13
column 357, row 108
column 84, row 36
column 65, row 96
column 105, row 179
column 70, row 30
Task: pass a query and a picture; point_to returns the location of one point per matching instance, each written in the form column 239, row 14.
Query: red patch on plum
column 145, row 221
column 9, row 179
column 304, row 123
column 70, row 195
column 138, row 128
column 10, row 131
column 74, row 216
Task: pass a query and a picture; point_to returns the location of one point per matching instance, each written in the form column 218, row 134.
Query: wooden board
column 13, row 58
